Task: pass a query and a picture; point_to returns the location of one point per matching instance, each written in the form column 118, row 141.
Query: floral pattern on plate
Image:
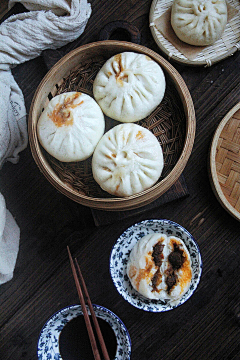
column 48, row 343
column 121, row 251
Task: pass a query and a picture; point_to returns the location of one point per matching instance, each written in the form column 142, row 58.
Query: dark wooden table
column 207, row 325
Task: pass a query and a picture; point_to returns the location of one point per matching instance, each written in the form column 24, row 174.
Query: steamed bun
column 127, row 160
column 71, row 126
column 129, row 86
column 159, row 267
column 199, row 22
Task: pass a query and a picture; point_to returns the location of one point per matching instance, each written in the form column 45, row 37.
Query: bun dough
column 159, row 267
column 129, row 86
column 199, row 22
column 71, row 126
column 127, row 160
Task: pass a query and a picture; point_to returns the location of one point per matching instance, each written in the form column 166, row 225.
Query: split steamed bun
column 129, row 86
column 199, row 22
column 127, row 160
column 71, row 126
column 159, row 267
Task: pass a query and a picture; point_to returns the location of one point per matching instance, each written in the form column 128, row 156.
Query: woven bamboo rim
column 75, row 179
column 225, row 162
column 223, row 48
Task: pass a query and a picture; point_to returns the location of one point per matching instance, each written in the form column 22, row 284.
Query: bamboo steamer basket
column 224, row 162
column 226, row 46
column 173, row 124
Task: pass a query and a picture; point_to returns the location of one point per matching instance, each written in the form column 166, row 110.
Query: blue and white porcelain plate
column 48, row 343
column 121, row 251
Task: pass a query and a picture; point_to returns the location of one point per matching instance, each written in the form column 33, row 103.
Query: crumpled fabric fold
column 48, row 24
column 9, row 242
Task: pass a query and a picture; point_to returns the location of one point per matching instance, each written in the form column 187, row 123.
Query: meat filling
column 157, row 254
column 176, row 260
column 156, row 279
column 171, row 278
column 176, row 257
column 157, row 258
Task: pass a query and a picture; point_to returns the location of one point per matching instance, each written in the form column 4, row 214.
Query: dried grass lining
column 167, row 122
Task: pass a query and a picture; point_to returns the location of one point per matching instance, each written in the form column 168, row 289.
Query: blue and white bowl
column 48, row 343
column 120, row 255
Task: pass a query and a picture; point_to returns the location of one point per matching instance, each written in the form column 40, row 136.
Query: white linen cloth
column 9, row 242
column 49, row 24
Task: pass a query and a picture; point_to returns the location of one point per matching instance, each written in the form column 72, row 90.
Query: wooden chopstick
column 85, row 312
column 95, row 321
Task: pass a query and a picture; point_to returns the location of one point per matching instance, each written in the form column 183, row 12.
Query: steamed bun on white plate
column 71, row 126
column 199, row 22
column 129, row 86
column 127, row 160
column 159, row 267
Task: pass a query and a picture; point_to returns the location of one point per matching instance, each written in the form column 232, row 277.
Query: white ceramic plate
column 121, row 251
column 48, row 343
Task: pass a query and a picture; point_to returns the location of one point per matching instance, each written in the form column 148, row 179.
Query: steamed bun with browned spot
column 71, row 126
column 199, row 22
column 127, row 160
column 129, row 86
column 159, row 267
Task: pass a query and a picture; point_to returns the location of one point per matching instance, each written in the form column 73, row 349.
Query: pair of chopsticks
column 85, row 312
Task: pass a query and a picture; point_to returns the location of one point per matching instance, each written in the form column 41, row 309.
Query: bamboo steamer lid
column 173, row 123
column 224, row 162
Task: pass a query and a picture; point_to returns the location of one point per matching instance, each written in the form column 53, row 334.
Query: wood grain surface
column 207, row 326
column 3, row 8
